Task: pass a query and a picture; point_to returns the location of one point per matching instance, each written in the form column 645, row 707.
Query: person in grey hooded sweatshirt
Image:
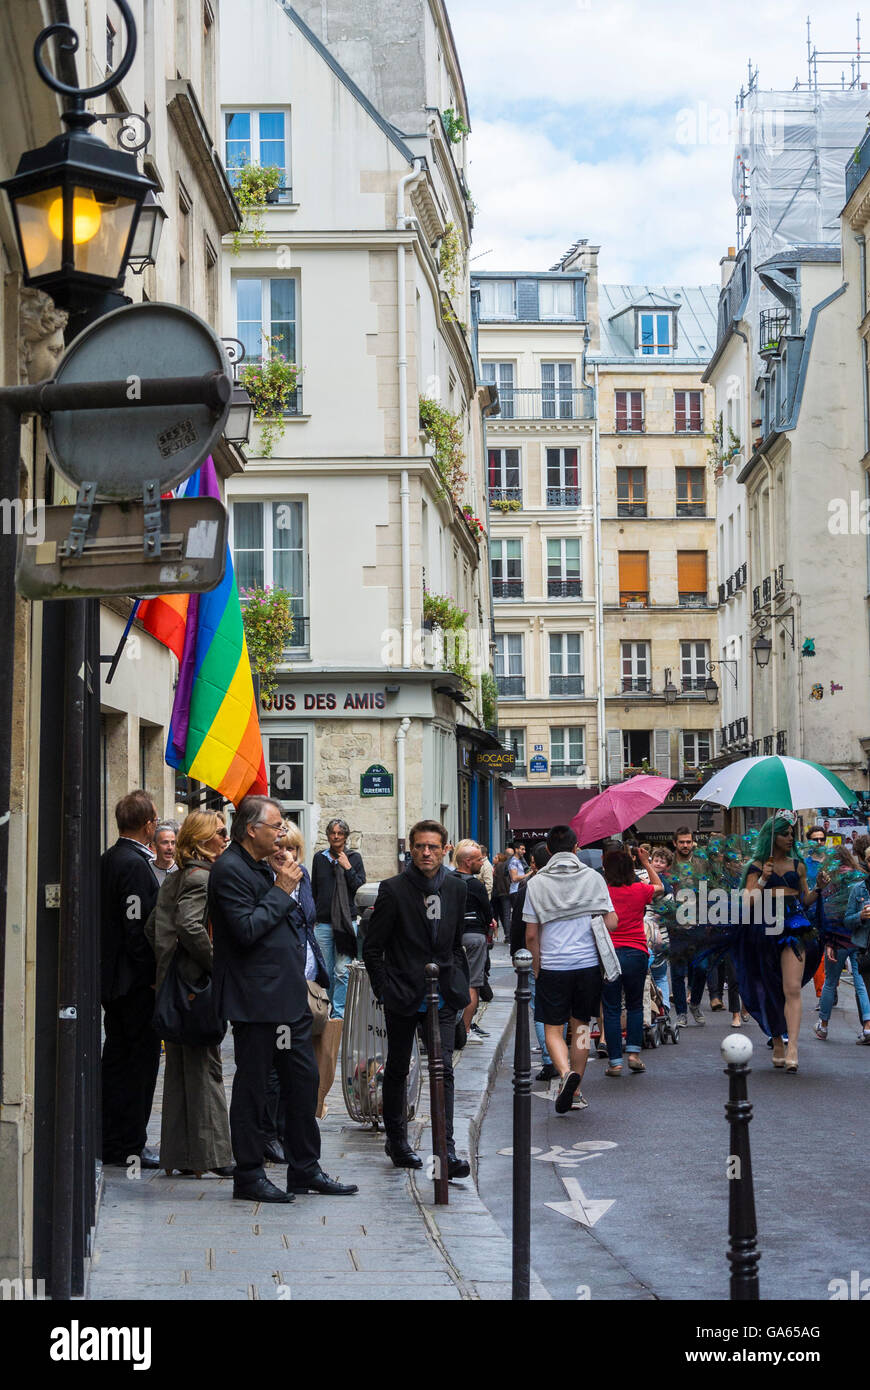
column 563, row 911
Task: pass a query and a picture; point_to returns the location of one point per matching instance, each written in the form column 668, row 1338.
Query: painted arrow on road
column 585, row 1210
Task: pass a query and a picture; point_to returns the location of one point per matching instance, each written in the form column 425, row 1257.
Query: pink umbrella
column 619, row 806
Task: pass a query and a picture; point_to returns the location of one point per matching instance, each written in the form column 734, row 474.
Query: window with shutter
column 633, row 578
column 629, row 411
column 688, row 412
column 614, row 755
column 631, row 492
column 692, row 578
column 662, row 752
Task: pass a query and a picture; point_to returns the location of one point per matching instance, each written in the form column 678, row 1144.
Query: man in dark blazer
column 131, row 1051
column 418, row 917
column 259, row 985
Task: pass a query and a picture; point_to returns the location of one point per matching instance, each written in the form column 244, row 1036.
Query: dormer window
column 498, row 299
column 655, row 335
column 556, row 299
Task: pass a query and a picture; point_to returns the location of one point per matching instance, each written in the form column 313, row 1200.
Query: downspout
column 599, row 584
column 862, row 266
column 401, row 734
column 402, row 360
column 747, row 431
column 774, row 706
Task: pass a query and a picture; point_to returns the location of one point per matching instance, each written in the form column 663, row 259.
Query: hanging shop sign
column 496, row 760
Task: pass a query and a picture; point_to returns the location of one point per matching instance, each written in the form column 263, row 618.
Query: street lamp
column 711, row 689
column 146, row 238
column 75, row 201
column 670, row 692
column 238, row 427
column 761, row 648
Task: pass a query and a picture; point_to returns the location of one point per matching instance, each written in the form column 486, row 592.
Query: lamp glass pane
column 101, row 229
column 41, row 247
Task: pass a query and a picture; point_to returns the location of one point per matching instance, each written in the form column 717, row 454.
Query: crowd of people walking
column 204, row 926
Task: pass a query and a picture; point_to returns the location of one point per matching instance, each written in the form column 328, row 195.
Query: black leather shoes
column 261, row 1190
column 403, row 1156
column 457, row 1167
column 274, row 1152
column 325, row 1185
column 149, row 1159
column 228, row 1171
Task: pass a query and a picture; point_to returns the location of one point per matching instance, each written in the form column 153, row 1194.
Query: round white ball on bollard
column 736, row 1048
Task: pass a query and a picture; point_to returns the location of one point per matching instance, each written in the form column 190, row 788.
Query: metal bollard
column 436, row 1087
column 743, row 1252
column 522, row 1155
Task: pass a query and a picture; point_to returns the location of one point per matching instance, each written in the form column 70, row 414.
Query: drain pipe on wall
column 599, row 587
column 862, row 267
column 402, row 358
column 401, row 735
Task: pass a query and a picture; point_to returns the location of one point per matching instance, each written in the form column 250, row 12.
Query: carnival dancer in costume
column 775, row 958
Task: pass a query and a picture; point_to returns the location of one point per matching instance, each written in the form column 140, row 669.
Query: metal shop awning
column 533, row 811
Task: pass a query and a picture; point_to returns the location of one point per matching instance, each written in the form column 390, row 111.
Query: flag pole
column 113, row 660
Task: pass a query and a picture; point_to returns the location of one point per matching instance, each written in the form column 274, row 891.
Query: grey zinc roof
column 696, row 321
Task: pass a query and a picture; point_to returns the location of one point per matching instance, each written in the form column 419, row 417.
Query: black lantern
column 146, row 238
column 670, row 692
column 238, row 427
column 761, row 648
column 76, row 201
column 711, row 691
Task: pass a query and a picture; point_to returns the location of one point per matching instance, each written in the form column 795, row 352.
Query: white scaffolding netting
column 789, row 164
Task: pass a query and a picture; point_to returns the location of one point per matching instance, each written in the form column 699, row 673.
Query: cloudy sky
column 613, row 120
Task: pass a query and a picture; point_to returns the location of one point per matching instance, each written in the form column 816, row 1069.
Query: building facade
column 360, row 271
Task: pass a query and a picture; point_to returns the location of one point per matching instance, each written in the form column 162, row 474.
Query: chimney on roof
column 582, row 256
column 727, row 264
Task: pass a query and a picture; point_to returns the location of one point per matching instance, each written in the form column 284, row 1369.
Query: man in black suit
column 259, row 985
column 131, row 1051
column 418, row 917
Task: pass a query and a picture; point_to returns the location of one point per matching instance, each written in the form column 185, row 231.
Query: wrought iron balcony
column 768, row 745
column 564, row 588
column 506, row 494
column 563, row 497
column 756, row 598
column 740, row 576
column 691, row 509
column 548, row 403
column 782, row 742
column 772, row 324
column 693, row 600
column 766, row 589
column 566, row 685
column 511, row 687
column 507, row 588
column 636, row 685
column 755, row 748
column 633, row 599
column 778, row 580
column 858, row 166
column 721, row 592
column 631, row 509
column 570, row 769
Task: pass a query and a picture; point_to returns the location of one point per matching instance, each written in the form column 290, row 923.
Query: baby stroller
column 658, row 1026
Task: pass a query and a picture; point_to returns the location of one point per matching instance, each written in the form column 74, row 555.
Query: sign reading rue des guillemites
column 376, row 781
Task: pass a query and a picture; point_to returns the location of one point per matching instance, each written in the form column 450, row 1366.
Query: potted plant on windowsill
column 270, row 384
column 268, row 624
column 256, row 185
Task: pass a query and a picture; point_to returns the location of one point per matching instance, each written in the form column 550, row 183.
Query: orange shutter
column 692, row 571
column 633, row 571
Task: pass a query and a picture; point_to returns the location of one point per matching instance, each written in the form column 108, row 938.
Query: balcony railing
column 549, row 403
column 571, row 769
column 635, row 599
column 518, row 770
column 729, row 586
column 857, row 166
column 563, row 497
column 740, row 577
column 755, row 748
column 756, row 598
column 506, row 494
column 507, row 588
column 566, row 685
column 564, row 588
column 766, row 589
column 782, row 742
column 636, row 685
column 778, row 580
column 691, row 509
column 631, row 509
column 768, row 745
column 693, row 600
column 511, row 687
column 772, row 324
column 693, row 685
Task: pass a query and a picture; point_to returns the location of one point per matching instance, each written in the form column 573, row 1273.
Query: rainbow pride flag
column 214, row 734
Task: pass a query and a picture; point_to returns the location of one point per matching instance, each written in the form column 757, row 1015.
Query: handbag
column 318, row 1003
column 184, row 1013
column 606, row 950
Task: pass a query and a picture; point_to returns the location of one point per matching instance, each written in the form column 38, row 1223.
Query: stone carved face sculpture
column 41, row 327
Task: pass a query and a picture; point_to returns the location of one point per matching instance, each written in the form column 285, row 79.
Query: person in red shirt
column 630, row 899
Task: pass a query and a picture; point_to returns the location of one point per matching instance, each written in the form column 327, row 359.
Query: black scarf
column 342, row 927
column 422, row 881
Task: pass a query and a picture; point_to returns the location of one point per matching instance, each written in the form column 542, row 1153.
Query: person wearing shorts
column 561, row 901
column 468, row 858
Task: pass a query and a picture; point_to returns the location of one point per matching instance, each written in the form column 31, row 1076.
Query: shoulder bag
column 184, row 1012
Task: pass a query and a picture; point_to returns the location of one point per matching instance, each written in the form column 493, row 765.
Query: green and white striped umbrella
column 788, row 784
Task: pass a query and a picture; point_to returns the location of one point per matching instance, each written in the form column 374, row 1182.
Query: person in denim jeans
column 630, row 899
column 540, row 856
column 843, row 940
column 337, row 953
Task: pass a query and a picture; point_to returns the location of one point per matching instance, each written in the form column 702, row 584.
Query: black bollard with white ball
column 743, row 1252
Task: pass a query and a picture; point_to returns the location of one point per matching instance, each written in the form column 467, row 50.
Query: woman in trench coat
column 195, row 1130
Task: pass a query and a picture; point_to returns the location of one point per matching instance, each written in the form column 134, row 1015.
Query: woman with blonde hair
column 194, row 1130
